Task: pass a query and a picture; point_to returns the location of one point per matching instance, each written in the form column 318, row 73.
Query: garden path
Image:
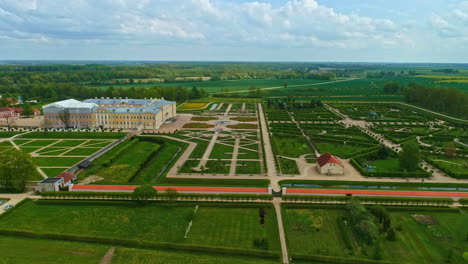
column 235, row 153
column 284, row 250
column 208, row 150
column 228, row 109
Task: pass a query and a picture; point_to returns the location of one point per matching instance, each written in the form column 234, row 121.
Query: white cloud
column 221, row 22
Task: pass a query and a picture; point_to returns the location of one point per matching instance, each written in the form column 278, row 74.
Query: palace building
column 109, row 113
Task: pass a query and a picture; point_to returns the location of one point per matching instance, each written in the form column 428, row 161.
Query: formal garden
column 381, row 112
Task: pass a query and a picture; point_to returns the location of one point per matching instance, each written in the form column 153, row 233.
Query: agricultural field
column 424, row 237
column 212, row 226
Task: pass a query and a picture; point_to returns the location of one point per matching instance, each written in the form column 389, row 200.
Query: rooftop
column 51, row 180
column 328, row 158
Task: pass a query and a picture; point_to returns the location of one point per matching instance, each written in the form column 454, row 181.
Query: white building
column 329, row 165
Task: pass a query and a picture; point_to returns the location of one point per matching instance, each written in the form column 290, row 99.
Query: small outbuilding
column 51, row 184
column 330, row 165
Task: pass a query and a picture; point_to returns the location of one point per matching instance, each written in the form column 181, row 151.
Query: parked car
column 2, row 202
column 8, row 207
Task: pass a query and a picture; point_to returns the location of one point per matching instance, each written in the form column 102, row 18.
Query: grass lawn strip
column 69, row 143
column 248, row 167
column 81, row 152
column 56, row 161
column 52, row 172
column 46, row 251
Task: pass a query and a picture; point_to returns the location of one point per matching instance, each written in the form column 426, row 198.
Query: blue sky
column 243, row 30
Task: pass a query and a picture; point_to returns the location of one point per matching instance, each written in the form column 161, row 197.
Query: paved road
column 270, row 159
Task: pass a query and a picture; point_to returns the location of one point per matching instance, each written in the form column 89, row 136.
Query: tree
column 144, row 192
column 383, row 152
column 171, row 193
column 27, row 110
column 391, row 87
column 391, row 235
column 9, row 122
column 450, row 149
column 285, row 84
column 410, row 156
column 16, row 168
column 64, row 116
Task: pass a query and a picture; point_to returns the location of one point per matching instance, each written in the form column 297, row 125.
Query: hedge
column 160, row 196
column 327, row 183
column 217, row 182
column 334, row 259
column 379, row 200
column 463, row 201
column 143, row 244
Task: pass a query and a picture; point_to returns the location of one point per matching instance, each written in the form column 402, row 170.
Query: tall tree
column 16, row 169
column 450, row 149
column 9, row 122
column 144, row 192
column 27, row 110
column 64, row 116
column 410, row 157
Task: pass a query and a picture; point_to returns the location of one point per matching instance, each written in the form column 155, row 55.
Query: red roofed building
column 68, row 178
column 329, row 164
column 15, row 112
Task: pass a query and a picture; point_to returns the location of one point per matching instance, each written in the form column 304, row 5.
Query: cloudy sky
column 235, row 30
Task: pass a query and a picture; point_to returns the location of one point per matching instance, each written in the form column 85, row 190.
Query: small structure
column 330, row 165
column 373, row 115
column 51, row 184
column 85, row 164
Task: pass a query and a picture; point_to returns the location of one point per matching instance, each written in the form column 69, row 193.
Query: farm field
column 316, row 231
column 224, row 86
column 234, row 227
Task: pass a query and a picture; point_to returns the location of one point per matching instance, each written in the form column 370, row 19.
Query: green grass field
column 212, row 226
column 141, row 256
column 69, row 143
column 315, row 231
column 52, row 172
column 248, row 167
column 82, row 152
column 293, row 146
column 45, row 251
column 123, row 167
column 56, row 161
column 221, row 151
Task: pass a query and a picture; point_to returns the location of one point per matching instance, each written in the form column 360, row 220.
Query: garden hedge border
column 341, row 260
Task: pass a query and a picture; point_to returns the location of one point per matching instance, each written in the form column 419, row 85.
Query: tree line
column 445, row 100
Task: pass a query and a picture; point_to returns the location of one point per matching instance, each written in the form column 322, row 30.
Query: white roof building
column 74, row 106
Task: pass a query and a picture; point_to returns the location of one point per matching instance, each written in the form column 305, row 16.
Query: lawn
column 386, row 165
column 39, row 143
column 52, row 172
column 339, row 149
column 221, row 151
column 199, row 149
column 56, row 161
column 233, row 227
column 141, row 256
column 82, row 152
column 29, row 149
column 69, row 143
column 456, row 167
column 293, row 146
column 247, row 154
column 315, row 231
column 123, row 167
column 212, row 226
column 197, row 125
column 192, row 106
column 51, row 151
column 45, row 251
column 248, row 167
